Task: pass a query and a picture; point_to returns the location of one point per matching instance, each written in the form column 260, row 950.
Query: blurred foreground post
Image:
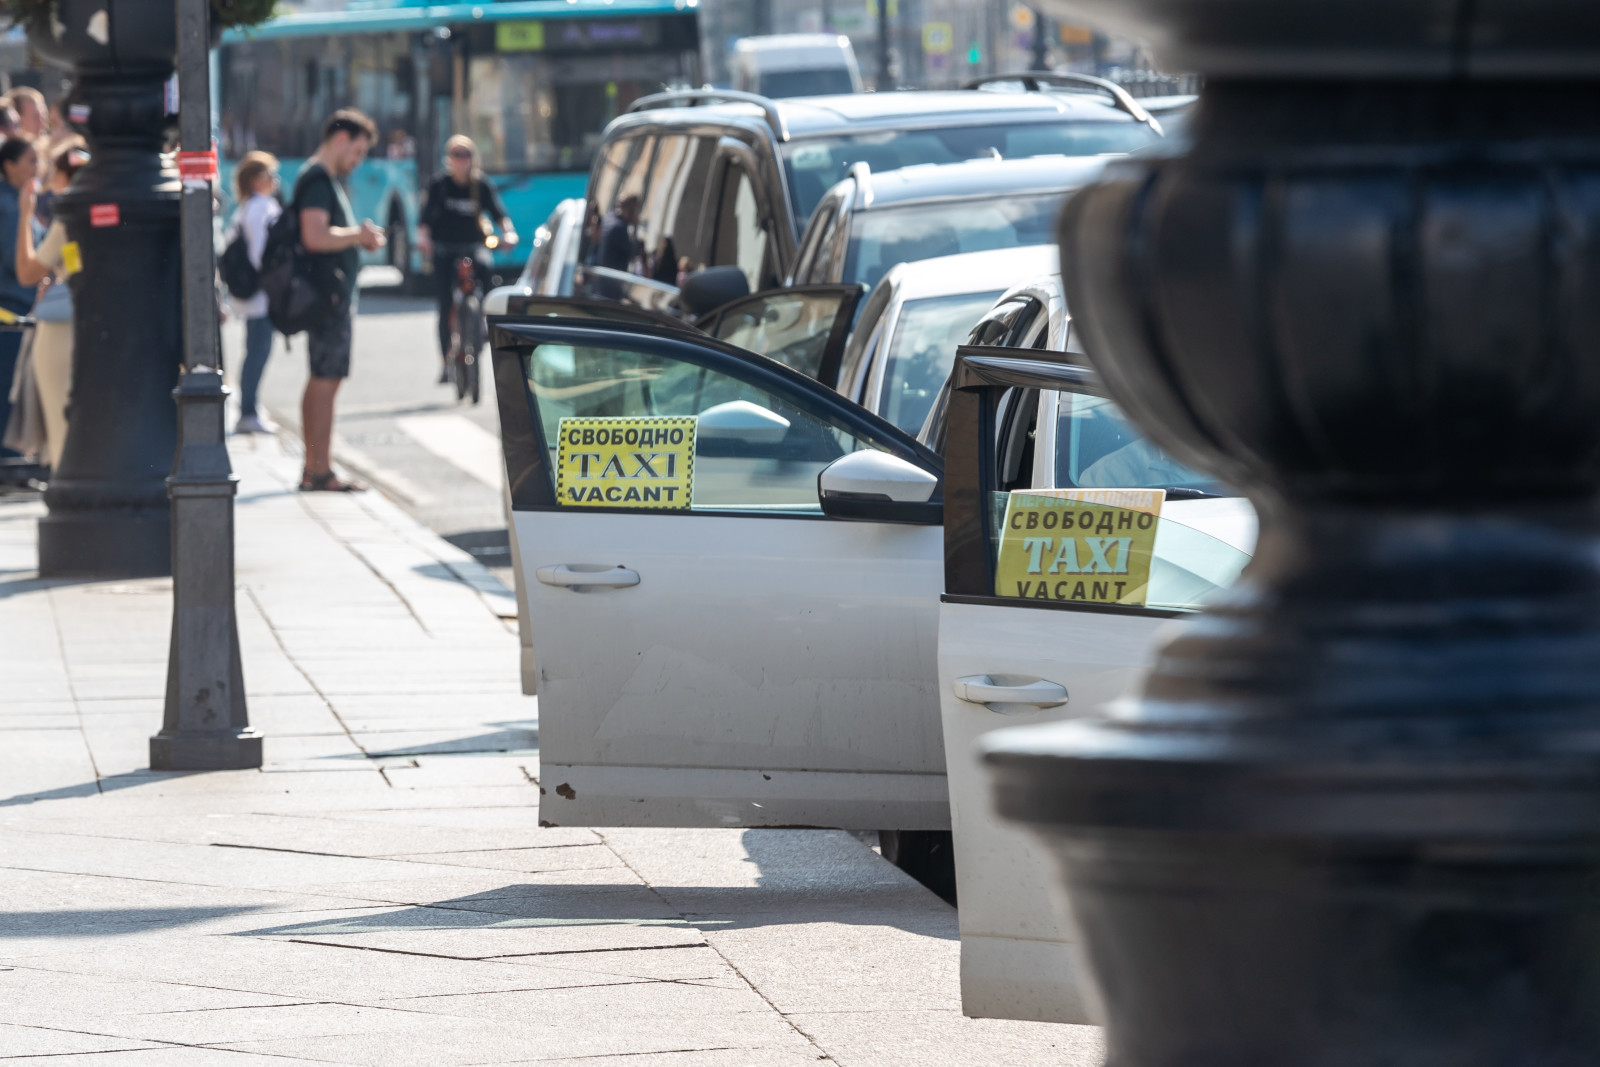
column 1353, row 817
column 207, row 725
column 109, row 515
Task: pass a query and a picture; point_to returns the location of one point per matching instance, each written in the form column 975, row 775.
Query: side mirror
column 742, row 421
column 707, row 290
column 873, row 486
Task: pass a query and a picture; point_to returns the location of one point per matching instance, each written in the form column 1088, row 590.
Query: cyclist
column 453, row 228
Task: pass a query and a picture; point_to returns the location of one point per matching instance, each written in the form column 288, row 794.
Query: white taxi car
column 750, row 596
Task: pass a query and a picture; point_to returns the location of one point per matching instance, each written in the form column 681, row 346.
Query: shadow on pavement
column 520, row 906
column 93, row 922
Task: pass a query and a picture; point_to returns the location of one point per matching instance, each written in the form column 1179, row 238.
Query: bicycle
column 468, row 327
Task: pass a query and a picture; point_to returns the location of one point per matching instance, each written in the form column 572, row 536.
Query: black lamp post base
column 119, row 544
column 205, row 750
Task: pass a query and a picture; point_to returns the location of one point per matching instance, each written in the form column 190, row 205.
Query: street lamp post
column 1353, row 817
column 206, row 725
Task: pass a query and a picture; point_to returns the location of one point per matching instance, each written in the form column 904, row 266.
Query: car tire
column 929, row 856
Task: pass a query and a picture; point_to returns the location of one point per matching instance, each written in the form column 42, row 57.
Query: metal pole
column 884, row 81
column 206, row 725
column 1041, row 43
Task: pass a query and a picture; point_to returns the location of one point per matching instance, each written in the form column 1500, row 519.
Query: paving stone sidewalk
column 381, row 892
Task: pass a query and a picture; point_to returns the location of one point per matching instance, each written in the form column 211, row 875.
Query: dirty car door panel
column 740, row 659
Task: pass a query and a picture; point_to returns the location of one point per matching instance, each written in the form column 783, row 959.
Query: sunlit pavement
column 381, row 892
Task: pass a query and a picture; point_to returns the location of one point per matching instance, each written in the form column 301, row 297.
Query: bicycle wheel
column 472, row 333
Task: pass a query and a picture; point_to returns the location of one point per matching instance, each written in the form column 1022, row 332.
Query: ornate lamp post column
column 1354, row 815
column 109, row 514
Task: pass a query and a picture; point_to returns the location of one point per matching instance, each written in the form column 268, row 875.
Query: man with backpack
column 326, row 268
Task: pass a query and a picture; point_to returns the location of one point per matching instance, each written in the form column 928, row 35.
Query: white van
column 796, row 64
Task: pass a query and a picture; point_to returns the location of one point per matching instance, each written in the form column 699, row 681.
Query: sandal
column 328, row 482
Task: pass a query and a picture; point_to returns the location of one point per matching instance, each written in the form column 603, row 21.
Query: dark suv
column 721, row 178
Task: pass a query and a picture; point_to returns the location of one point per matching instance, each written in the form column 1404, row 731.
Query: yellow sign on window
column 71, row 258
column 1084, row 546
column 519, row 36
column 645, row 462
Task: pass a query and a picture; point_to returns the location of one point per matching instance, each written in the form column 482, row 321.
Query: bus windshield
column 533, row 94
column 814, row 164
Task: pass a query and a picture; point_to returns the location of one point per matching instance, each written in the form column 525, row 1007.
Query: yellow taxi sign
column 1084, row 546
column 644, row 462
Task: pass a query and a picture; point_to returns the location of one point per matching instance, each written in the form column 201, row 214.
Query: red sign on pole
column 105, row 215
column 197, row 166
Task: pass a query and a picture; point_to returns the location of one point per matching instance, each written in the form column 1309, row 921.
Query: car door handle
column 574, row 576
column 981, row 689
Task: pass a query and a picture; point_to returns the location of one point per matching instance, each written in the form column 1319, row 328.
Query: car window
column 715, row 442
column 814, row 164
column 883, row 238
column 999, row 325
column 668, row 174
column 786, row 83
column 811, row 242
column 741, row 236
column 1097, row 448
column 539, row 254
column 863, row 340
column 922, row 351
column 792, row 328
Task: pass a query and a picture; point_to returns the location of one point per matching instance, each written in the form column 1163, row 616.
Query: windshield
column 923, row 351
column 826, row 82
column 1096, row 448
column 881, row 239
column 815, row 164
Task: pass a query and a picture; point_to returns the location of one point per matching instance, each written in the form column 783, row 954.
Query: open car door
column 720, row 643
column 1070, row 543
column 804, row 327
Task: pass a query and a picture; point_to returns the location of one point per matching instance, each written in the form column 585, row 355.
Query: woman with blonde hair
column 453, row 227
column 255, row 182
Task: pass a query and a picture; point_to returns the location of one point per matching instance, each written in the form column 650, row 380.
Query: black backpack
column 238, row 273
column 302, row 292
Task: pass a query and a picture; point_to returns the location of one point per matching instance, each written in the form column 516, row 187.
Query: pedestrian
column 33, row 114
column 51, row 353
column 328, row 231
column 618, row 247
column 67, row 156
column 255, row 182
column 19, row 167
column 452, row 228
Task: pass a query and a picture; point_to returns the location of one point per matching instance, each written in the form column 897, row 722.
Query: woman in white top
column 255, row 183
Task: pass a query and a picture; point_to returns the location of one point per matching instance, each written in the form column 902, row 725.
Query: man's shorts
column 329, row 346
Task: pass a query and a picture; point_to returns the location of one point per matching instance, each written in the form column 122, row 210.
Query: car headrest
column 712, row 287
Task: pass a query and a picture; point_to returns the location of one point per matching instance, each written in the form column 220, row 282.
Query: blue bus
column 533, row 82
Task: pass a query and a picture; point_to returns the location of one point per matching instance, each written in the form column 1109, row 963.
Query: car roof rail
column 1038, row 81
column 861, row 172
column 690, row 97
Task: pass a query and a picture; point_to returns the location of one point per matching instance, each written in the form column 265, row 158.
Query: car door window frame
column 531, row 481
column 538, row 306
column 982, row 375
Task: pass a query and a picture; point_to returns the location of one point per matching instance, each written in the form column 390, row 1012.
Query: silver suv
column 701, row 178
